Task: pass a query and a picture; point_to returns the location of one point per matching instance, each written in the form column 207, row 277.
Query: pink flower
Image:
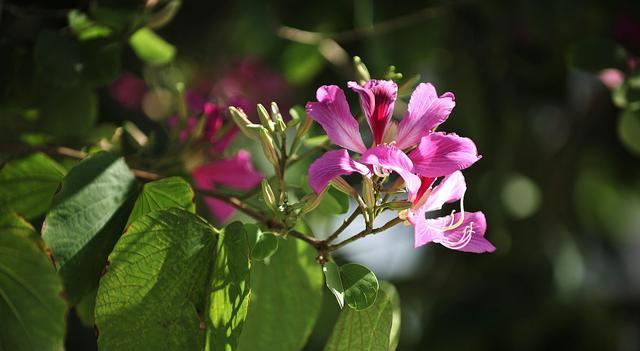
column 463, row 231
column 437, row 154
column 235, row 172
column 612, row 78
column 128, row 90
column 413, row 150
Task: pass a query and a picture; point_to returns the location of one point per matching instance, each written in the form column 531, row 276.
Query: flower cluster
column 428, row 162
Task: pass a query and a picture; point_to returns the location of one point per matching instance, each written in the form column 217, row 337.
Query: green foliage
column 163, row 193
column 367, row 330
column 629, row 130
column 85, row 28
column 68, row 111
column 333, row 202
column 87, row 218
column 14, row 224
column 266, row 245
column 31, row 308
column 146, row 299
column 334, row 282
column 285, row 299
column 151, row 48
column 229, row 289
column 27, row 185
column 360, row 285
column 301, row 62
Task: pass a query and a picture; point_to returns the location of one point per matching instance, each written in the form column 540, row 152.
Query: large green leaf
column 27, row 185
column 164, row 193
column 87, row 218
column 286, row 295
column 145, row 300
column 229, row 289
column 366, row 330
column 31, row 309
column 12, row 223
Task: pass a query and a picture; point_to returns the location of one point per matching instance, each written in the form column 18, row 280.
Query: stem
column 364, row 233
column 344, row 225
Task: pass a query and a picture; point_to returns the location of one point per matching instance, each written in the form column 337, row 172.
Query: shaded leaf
column 163, row 193
column 68, row 111
column 266, row 245
column 87, row 218
column 144, row 300
column 229, row 289
column 366, row 330
column 31, row 309
column 392, row 294
column 12, row 223
column 285, row 299
column 333, row 281
column 27, row 185
column 360, row 285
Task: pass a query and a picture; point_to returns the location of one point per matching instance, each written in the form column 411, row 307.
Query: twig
column 364, row 233
column 344, row 225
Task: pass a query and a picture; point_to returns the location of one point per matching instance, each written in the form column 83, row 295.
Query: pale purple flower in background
column 128, row 90
column 612, row 78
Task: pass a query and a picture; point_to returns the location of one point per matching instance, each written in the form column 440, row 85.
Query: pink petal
column 467, row 237
column 612, row 78
column 450, row 189
column 331, row 165
column 236, row 172
column 426, row 111
column 377, row 98
column 220, row 210
column 391, row 158
column 440, row 154
column 332, row 113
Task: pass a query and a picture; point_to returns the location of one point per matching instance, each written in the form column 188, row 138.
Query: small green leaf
column 360, row 285
column 285, row 301
column 145, row 299
column 87, row 218
column 229, row 289
column 151, row 48
column 266, row 245
column 85, row 28
column 27, row 185
column 31, row 308
column 333, row 281
column 163, row 193
column 366, row 330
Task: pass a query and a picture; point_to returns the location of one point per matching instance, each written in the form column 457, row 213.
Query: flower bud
column 277, row 117
column 242, row 121
column 398, row 205
column 267, row 146
column 265, row 119
column 311, row 202
column 342, row 185
column 362, row 73
column 367, row 192
column 267, row 194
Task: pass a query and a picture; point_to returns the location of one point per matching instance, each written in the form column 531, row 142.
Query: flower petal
column 331, row 165
column 332, row 113
column 468, row 236
column 377, row 98
column 450, row 189
column 236, row 172
column 392, row 158
column 440, row 154
column 426, row 111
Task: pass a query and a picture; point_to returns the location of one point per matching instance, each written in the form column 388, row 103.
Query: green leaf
column 229, row 289
column 334, row 202
column 145, row 299
column 31, row 309
column 68, row 111
column 87, row 218
column 285, row 301
column 163, row 193
column 10, row 222
column 366, row 330
column 316, row 141
column 629, row 130
column 85, row 28
column 333, row 281
column 392, row 294
column 151, row 48
column 27, row 185
column 360, row 285
column 266, row 245
column 58, row 58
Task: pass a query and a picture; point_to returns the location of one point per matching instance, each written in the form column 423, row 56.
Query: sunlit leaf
column 151, row 48
column 266, row 245
column 164, row 193
column 360, row 285
column 87, row 218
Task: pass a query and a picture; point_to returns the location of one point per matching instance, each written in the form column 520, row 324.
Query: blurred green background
column 559, row 179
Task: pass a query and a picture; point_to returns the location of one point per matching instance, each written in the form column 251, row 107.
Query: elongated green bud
column 342, row 185
column 242, row 121
column 297, row 114
column 267, row 194
column 367, row 192
column 266, row 121
column 362, row 73
column 398, row 205
column 277, row 118
column 267, row 146
column 311, row 202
